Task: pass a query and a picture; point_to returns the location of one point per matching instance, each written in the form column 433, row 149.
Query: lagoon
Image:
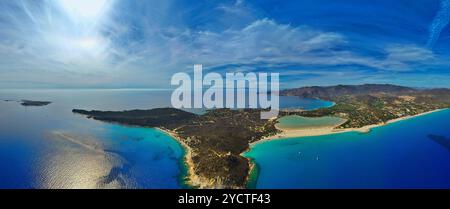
column 299, row 122
column 399, row 155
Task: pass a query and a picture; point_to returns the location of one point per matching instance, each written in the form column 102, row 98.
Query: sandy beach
column 192, row 179
column 200, row 182
column 292, row 133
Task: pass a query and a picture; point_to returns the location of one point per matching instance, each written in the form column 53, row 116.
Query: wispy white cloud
column 265, row 41
column 42, row 41
column 439, row 23
column 402, row 57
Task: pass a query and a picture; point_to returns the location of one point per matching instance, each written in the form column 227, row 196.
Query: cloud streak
column 439, row 23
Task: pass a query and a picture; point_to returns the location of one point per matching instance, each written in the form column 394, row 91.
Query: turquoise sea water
column 293, row 102
column 399, row 155
column 50, row 147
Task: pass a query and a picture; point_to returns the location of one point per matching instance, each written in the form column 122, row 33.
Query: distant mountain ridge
column 341, row 90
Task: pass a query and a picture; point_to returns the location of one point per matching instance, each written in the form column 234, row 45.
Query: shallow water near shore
column 399, row 155
column 50, row 147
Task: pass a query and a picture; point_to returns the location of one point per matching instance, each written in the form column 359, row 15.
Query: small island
column 214, row 142
column 34, row 103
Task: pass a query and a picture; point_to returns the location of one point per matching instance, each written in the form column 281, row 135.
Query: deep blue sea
column 50, row 147
column 399, row 155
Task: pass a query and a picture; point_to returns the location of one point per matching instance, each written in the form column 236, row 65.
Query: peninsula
column 215, row 140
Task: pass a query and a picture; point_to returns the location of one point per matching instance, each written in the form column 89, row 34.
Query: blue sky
column 133, row 44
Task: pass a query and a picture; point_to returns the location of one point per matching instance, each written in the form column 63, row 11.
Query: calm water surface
column 50, row 147
column 298, row 122
column 399, row 155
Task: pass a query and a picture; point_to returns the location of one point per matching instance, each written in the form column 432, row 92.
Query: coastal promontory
column 214, row 141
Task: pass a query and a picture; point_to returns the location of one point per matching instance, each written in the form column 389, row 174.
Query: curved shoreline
column 253, row 173
column 316, row 132
column 192, row 180
column 297, row 133
column 187, row 157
